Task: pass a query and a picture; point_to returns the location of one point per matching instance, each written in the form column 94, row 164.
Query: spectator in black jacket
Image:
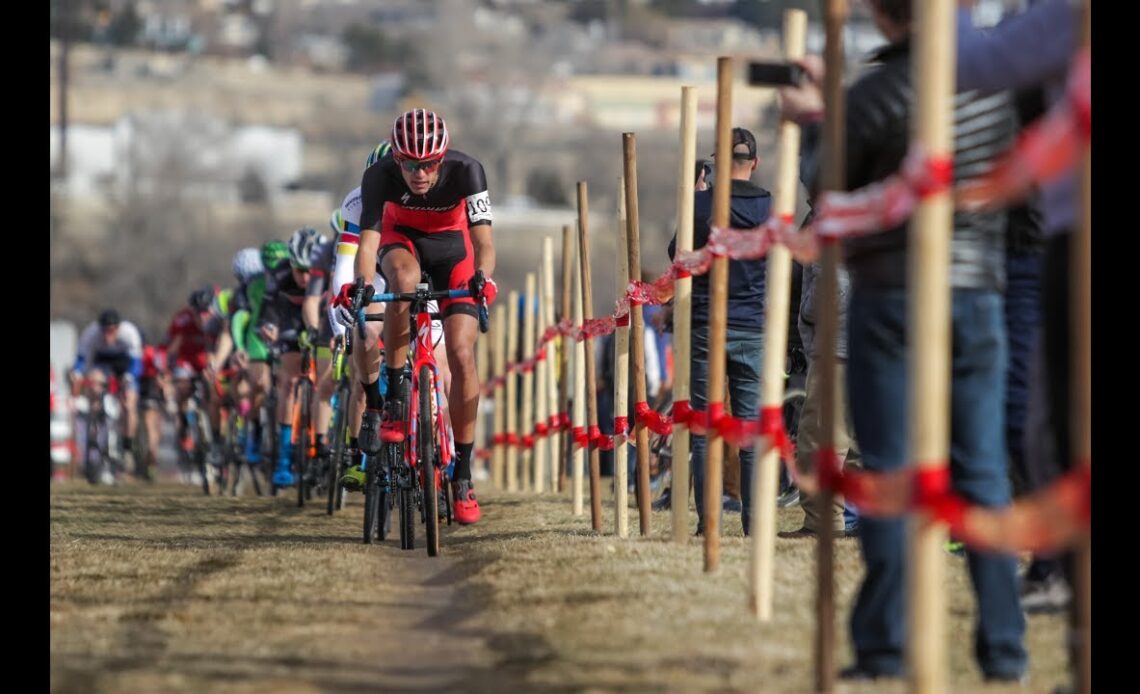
column 744, row 342
column 878, row 127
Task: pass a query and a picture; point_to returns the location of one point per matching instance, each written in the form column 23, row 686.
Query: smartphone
column 775, row 74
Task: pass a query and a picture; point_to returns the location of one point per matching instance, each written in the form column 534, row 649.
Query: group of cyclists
column 421, row 214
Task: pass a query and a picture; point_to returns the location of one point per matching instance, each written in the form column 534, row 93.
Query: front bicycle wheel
column 337, row 431
column 425, row 452
column 407, row 510
column 301, row 458
column 269, row 442
column 92, row 453
column 199, row 450
column 372, row 499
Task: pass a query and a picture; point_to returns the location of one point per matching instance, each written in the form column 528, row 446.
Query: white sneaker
column 107, row 478
column 1049, row 595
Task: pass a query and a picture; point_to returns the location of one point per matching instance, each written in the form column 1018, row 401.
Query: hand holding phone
column 775, row 74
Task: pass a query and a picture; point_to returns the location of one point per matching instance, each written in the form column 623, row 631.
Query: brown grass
column 162, row 589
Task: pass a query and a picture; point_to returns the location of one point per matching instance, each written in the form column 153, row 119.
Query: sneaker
column 107, row 478
column 216, row 458
column 466, row 507
column 1046, row 596
column 369, row 439
column 1020, row 679
column 789, row 497
column 805, row 532
column 664, row 502
column 857, row 673
column 798, row 534
column 354, row 479
column 731, row 505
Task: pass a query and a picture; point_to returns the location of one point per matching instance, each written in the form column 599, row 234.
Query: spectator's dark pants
column 744, row 352
column 606, row 425
column 1022, row 321
column 877, row 387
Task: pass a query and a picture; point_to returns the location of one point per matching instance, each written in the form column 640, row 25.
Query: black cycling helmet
column 109, row 317
column 202, row 299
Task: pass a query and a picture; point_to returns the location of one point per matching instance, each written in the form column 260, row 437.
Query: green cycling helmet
column 273, row 253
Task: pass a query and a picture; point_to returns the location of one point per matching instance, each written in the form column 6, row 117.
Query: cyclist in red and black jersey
column 425, row 208
column 190, row 338
column 154, row 390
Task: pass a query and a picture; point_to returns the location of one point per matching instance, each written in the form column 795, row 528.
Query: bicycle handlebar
column 418, row 295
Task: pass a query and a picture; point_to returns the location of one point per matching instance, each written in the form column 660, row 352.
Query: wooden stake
column 512, row 391
column 718, row 314
column 565, row 347
column 541, row 443
column 621, row 378
column 591, row 376
column 557, row 463
column 637, row 326
column 766, row 476
column 928, row 338
column 579, row 420
column 682, row 315
column 499, row 455
column 526, row 421
column 482, row 368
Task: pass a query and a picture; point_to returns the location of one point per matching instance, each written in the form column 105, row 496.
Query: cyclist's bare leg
column 325, row 387
column 243, row 390
column 366, row 352
column 131, row 402
column 214, row 410
column 152, row 419
column 258, row 373
column 287, row 372
column 459, row 332
column 356, row 406
column 403, row 274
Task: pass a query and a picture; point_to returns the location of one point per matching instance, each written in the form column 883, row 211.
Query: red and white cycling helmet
column 419, row 134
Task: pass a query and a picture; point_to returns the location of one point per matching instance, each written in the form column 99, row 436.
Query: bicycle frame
column 417, row 489
column 308, row 373
column 422, row 353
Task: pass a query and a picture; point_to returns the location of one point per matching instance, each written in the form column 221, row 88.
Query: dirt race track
column 161, row 589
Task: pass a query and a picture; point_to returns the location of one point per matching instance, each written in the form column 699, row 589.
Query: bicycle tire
column 407, row 509
column 301, row 460
column 337, row 430
column 371, row 504
column 425, row 452
column 92, row 467
column 198, row 450
column 269, row 442
column 385, row 524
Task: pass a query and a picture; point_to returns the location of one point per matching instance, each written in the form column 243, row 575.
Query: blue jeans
column 877, row 387
column 744, row 359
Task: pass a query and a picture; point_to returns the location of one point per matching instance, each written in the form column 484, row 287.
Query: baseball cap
column 743, row 145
